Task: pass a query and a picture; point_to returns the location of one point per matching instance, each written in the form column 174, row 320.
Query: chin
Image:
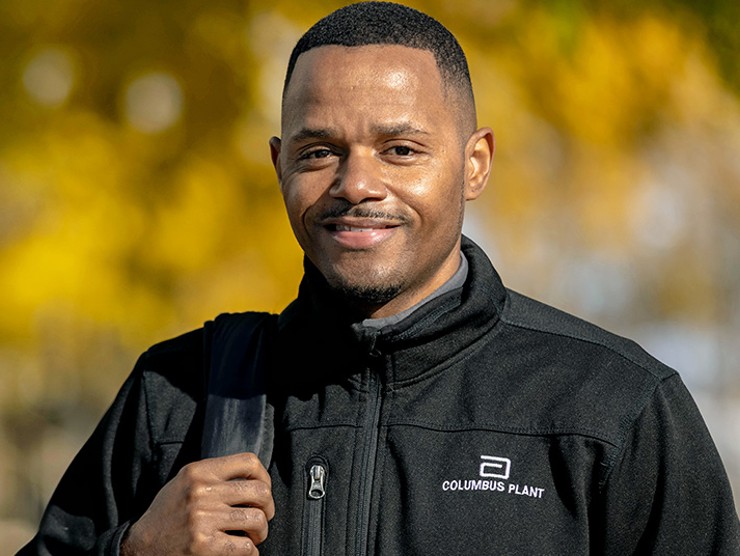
column 358, row 290
column 369, row 295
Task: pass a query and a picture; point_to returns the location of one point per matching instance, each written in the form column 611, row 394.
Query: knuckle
column 251, row 517
column 198, row 544
column 261, row 528
column 203, row 545
column 260, row 519
column 239, row 485
column 262, row 490
column 189, row 472
column 249, row 548
column 193, row 495
column 194, row 518
column 238, row 515
column 192, row 478
column 251, row 459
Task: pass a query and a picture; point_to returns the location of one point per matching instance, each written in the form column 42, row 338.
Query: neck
column 351, row 309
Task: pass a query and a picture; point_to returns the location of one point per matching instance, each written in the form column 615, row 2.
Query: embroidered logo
column 490, row 468
column 495, row 467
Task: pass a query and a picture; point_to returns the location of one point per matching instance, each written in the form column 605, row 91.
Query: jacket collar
column 318, row 329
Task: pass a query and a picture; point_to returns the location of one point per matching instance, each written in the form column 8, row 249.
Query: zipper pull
column 317, row 490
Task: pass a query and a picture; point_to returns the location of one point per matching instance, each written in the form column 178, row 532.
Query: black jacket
column 484, row 423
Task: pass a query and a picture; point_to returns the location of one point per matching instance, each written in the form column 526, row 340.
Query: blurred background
column 137, row 199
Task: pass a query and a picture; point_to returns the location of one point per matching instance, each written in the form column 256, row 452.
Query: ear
column 275, row 155
column 478, row 162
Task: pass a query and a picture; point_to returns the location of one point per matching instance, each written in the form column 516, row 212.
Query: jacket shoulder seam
column 629, row 428
column 505, row 318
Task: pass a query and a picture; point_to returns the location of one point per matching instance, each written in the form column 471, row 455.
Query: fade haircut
column 380, row 23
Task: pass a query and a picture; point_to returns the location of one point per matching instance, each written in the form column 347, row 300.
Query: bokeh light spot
column 153, row 102
column 49, row 77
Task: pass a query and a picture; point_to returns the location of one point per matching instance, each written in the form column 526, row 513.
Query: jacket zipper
column 313, row 508
column 372, row 420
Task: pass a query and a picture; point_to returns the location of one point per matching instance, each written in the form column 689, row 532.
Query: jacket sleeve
column 89, row 511
column 668, row 492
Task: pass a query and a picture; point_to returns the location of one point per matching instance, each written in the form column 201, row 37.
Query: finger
column 222, row 543
column 245, row 465
column 251, row 521
column 244, row 492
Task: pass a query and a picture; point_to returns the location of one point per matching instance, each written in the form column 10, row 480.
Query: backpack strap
column 237, row 416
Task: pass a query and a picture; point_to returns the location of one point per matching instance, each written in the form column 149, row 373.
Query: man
column 417, row 405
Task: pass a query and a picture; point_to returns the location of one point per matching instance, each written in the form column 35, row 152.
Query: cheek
column 298, row 198
column 437, row 199
column 295, row 211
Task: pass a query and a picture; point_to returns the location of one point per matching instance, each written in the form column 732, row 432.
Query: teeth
column 342, row 228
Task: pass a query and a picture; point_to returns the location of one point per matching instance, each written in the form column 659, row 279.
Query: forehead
column 375, row 76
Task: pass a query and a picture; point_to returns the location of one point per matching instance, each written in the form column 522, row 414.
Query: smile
column 362, row 234
column 343, row 228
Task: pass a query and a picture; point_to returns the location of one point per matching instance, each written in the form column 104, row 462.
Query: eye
column 315, row 154
column 401, row 150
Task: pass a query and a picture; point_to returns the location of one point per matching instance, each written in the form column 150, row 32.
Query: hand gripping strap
column 237, row 417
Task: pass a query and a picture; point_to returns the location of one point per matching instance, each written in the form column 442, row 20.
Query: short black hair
column 368, row 23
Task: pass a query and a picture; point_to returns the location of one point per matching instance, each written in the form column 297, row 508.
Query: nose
column 359, row 179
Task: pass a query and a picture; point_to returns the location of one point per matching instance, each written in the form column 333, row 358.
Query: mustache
column 363, row 212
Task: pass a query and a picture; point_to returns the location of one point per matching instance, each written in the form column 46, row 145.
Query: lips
column 346, row 228
column 359, row 233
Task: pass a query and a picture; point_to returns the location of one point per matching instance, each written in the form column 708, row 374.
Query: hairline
column 460, row 94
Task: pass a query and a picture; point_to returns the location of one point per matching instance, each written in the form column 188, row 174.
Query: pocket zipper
column 313, row 514
column 317, row 487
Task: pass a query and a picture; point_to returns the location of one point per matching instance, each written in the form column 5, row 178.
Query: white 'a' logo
column 495, row 467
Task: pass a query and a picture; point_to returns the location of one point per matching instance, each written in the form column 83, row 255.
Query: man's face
column 375, row 170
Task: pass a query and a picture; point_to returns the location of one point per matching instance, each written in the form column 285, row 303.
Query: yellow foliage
column 616, row 138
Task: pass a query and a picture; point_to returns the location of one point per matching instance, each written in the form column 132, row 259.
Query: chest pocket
column 480, row 492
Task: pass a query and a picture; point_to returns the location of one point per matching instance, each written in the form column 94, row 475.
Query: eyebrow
column 390, row 130
column 310, row 133
column 398, row 129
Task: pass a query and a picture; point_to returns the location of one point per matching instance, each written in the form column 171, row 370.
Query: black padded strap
column 238, row 417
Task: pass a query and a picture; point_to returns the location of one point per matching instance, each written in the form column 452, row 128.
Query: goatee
column 368, row 296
